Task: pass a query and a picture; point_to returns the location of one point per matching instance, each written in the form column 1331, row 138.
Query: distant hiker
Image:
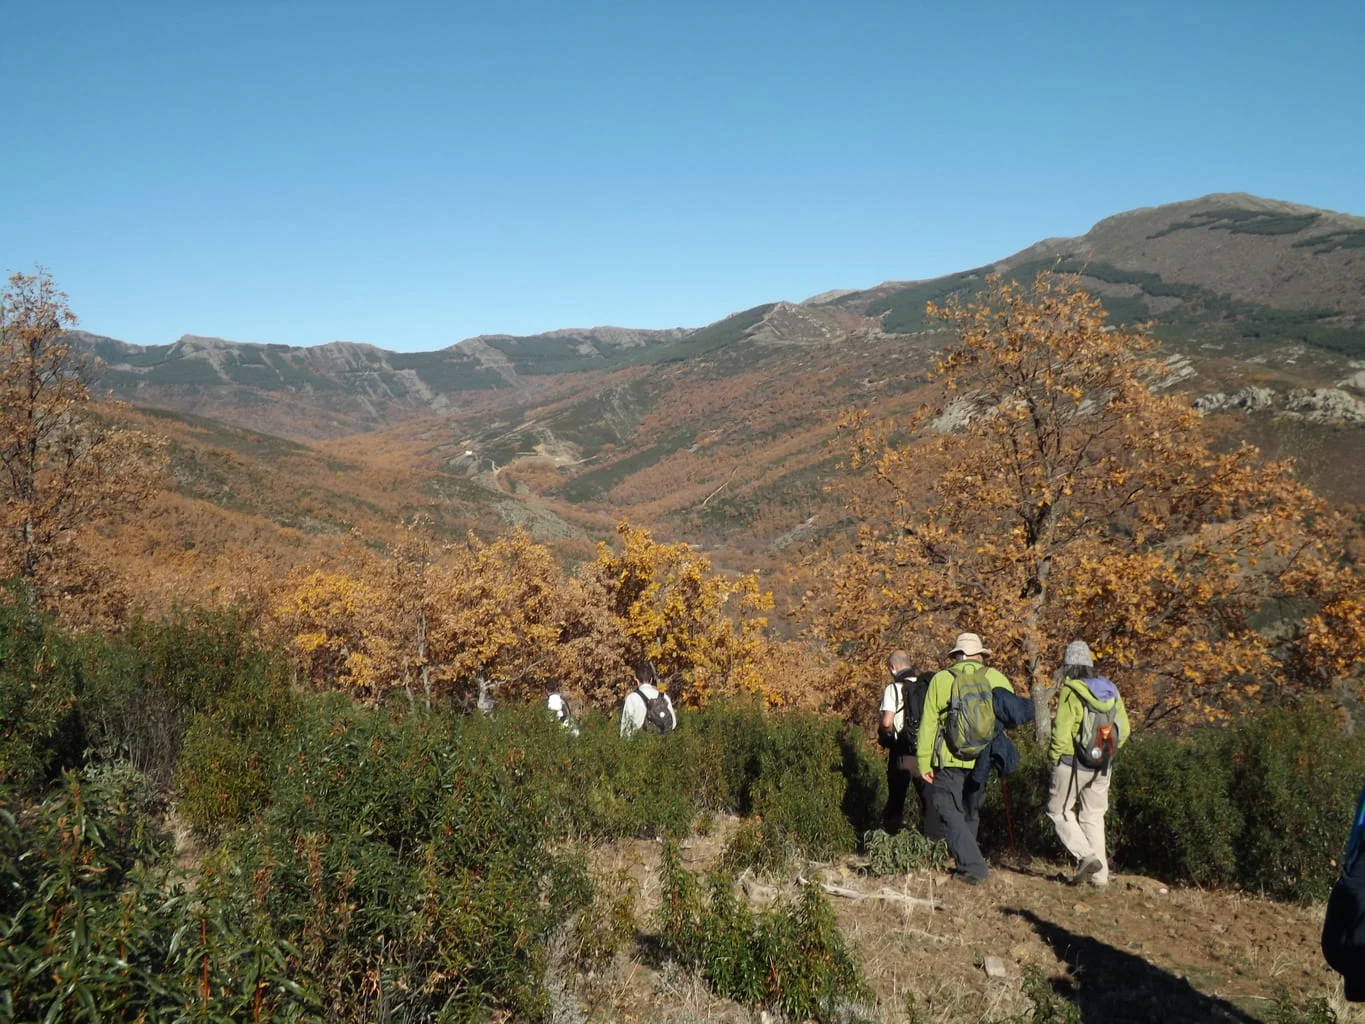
column 956, row 728
column 901, row 707
column 559, row 707
column 646, row 707
column 1090, row 726
column 1343, row 930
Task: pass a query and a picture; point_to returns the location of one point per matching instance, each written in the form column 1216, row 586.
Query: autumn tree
column 701, row 629
column 496, row 616
column 1059, row 490
column 336, row 626
column 63, row 468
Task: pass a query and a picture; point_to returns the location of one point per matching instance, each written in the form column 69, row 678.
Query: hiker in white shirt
column 647, row 707
column 559, row 707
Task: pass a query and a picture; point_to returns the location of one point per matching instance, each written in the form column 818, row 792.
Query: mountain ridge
column 1226, row 269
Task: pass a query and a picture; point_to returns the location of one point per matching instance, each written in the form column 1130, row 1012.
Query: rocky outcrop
column 1326, row 405
column 1318, row 405
column 1248, row 399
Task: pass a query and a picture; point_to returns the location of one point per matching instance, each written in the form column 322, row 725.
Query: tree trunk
column 484, row 702
column 1042, row 695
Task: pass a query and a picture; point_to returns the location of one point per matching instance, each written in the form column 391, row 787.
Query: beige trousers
column 1081, row 833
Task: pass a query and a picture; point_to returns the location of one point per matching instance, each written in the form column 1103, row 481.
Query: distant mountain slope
column 1225, row 269
column 1232, row 278
column 727, row 434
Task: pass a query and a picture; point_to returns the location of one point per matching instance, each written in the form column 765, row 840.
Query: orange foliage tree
column 337, row 628
column 495, row 618
column 476, row 622
column 1060, row 491
column 63, row 469
column 704, row 632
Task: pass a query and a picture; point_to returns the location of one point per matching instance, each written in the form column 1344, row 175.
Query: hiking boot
column 1089, row 867
column 967, row 879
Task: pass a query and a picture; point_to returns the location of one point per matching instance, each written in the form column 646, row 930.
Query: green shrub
column 734, row 733
column 41, row 732
column 143, row 690
column 790, row 958
column 905, row 852
column 1294, row 781
column 757, row 845
column 801, row 787
column 1172, row 814
column 1288, row 1010
column 407, row 849
column 1048, row 1007
column 607, row 922
column 95, row 931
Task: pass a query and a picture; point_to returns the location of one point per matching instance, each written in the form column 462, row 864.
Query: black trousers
column 958, row 800
column 898, row 781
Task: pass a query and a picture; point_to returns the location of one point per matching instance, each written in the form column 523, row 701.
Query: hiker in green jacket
column 957, row 724
column 1090, row 726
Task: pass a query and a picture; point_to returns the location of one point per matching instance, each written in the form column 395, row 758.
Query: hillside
column 725, row 434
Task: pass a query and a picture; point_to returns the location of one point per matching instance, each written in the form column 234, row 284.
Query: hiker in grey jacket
column 1080, row 762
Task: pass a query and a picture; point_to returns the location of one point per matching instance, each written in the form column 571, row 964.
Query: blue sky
column 410, row 174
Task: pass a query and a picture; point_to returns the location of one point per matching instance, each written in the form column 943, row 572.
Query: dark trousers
column 958, row 799
column 898, row 782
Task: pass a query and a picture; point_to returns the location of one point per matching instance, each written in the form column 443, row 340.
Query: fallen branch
column 880, row 894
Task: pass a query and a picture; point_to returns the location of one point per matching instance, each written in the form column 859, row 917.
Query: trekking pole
column 1009, row 821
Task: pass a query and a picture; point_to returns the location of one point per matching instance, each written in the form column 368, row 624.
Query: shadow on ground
column 1114, row 987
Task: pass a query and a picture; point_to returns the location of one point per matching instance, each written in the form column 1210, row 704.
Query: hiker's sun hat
column 969, row 646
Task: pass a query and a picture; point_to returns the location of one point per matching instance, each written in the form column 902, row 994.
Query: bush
column 1288, row 1010
column 607, row 922
column 1048, row 1007
column 790, row 958
column 904, row 852
column 757, row 845
column 39, row 712
column 143, row 690
column 1294, row 782
column 397, row 851
column 94, row 931
column 801, row 786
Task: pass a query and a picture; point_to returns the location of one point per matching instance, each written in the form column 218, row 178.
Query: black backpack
column 658, row 715
column 1343, row 930
column 914, row 690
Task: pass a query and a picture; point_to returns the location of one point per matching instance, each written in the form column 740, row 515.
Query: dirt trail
column 1137, row 951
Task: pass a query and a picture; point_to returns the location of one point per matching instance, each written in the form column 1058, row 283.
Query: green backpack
column 970, row 724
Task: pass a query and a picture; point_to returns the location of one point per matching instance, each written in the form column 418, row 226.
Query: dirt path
column 1137, row 951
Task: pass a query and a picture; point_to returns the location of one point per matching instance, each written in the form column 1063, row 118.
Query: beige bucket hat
column 969, row 646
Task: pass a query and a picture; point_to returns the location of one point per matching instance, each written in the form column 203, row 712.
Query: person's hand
column 928, row 776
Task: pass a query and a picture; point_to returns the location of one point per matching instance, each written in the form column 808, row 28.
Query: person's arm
column 1064, row 726
column 940, row 689
column 628, row 722
column 671, row 710
column 1122, row 719
column 886, row 728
